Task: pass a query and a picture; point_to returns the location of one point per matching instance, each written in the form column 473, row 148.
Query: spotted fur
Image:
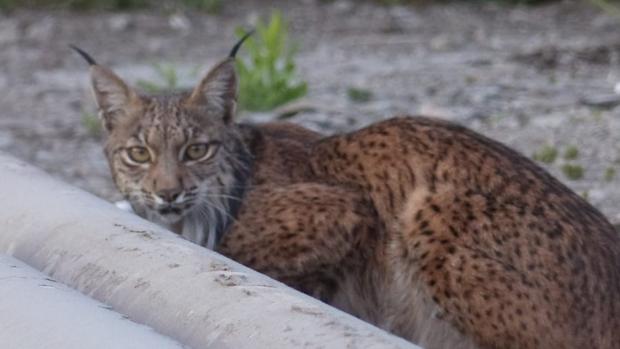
column 490, row 242
column 422, row 227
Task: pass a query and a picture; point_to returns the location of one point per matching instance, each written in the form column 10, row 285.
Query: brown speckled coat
column 433, row 232
column 421, row 227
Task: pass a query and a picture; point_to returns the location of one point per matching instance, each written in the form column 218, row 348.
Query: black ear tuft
column 235, row 48
column 84, row 55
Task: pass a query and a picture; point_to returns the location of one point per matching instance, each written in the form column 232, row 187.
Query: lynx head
column 173, row 155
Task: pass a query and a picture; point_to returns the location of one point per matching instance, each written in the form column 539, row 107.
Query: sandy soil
column 528, row 76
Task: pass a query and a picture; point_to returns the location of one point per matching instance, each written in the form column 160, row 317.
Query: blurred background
column 540, row 76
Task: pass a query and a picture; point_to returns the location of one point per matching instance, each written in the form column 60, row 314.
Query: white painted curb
column 181, row 290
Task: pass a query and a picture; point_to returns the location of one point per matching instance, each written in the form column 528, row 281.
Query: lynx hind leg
column 413, row 307
column 464, row 273
column 306, row 235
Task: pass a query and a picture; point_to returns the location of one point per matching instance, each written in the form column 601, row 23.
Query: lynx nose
column 169, row 195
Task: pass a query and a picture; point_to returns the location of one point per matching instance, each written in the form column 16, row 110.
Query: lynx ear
column 217, row 91
column 111, row 93
column 114, row 98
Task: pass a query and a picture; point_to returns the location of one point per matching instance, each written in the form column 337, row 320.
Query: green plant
column 520, row 2
column 571, row 153
column 167, row 79
column 573, row 172
column 506, row 2
column 75, row 4
column 359, row 95
column 108, row 4
column 597, row 114
column 610, row 174
column 470, row 79
column 547, row 154
column 91, row 123
column 608, row 6
column 268, row 78
column 391, row 2
column 210, row 6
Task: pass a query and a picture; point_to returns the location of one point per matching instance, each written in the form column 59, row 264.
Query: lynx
column 419, row 226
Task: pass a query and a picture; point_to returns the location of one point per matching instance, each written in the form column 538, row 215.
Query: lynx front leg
column 306, row 235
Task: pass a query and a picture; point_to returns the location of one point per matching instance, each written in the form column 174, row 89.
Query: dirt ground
column 528, row 76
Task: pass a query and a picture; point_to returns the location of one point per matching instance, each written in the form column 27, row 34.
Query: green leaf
column 359, row 95
column 547, row 154
column 573, row 172
column 267, row 76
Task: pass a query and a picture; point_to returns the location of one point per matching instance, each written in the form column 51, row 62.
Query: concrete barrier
column 37, row 312
column 186, row 292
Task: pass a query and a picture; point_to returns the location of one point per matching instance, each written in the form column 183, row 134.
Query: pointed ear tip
column 83, row 54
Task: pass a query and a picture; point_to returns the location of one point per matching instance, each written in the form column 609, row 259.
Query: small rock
column 602, row 101
column 343, row 6
column 432, row 110
column 124, row 205
column 402, row 12
column 597, row 195
column 119, row 23
column 155, row 46
column 6, row 139
column 41, row 30
column 440, row 42
column 252, row 18
column 8, row 31
column 180, row 22
column 484, row 94
column 291, row 109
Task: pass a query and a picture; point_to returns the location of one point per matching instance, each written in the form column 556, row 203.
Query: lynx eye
column 200, row 151
column 139, row 155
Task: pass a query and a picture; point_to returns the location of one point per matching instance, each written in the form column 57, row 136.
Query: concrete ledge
column 183, row 291
column 37, row 312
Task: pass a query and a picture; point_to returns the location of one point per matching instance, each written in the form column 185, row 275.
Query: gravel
column 530, row 77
